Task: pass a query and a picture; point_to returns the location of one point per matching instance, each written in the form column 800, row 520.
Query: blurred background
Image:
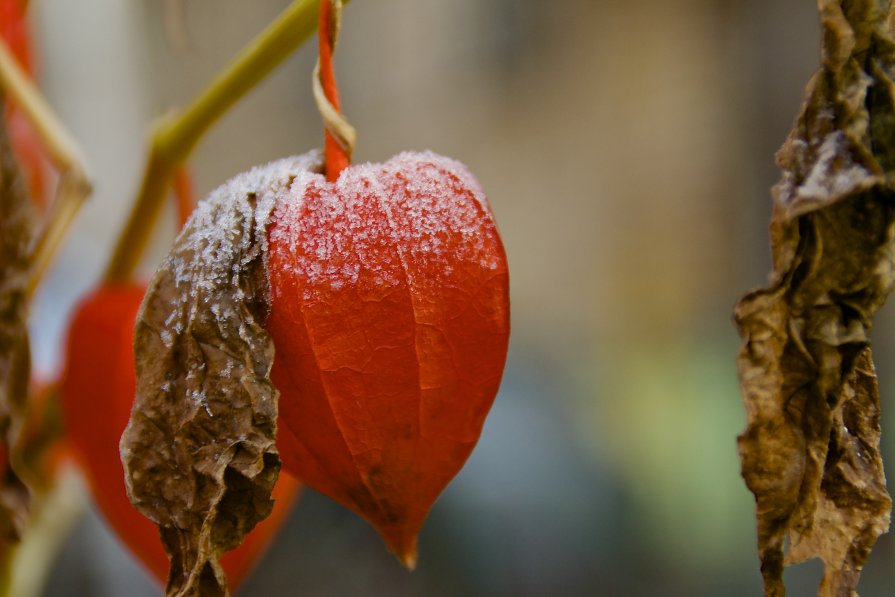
column 627, row 151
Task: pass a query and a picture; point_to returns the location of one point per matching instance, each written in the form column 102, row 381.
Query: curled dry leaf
column 810, row 452
column 199, row 451
column 99, row 371
column 16, row 228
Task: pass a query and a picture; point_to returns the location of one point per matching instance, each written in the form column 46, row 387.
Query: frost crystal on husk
column 354, row 243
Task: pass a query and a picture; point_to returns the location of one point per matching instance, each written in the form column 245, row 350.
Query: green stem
column 175, row 136
column 73, row 186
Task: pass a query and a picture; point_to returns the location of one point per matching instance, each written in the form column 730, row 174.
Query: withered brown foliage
column 810, row 452
column 199, row 451
column 16, row 230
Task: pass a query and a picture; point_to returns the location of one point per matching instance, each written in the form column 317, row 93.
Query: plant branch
column 73, row 187
column 176, row 135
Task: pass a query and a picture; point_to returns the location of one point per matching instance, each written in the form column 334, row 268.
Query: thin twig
column 176, row 135
column 74, row 185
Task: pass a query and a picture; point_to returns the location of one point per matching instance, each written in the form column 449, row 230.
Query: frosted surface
column 220, row 250
column 442, row 230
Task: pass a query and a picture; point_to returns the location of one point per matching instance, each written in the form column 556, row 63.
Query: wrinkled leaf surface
column 16, row 229
column 810, row 452
column 100, row 377
column 199, row 451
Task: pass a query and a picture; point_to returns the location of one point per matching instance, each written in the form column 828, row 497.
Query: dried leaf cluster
column 810, row 452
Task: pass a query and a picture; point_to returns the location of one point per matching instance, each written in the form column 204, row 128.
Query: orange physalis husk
column 390, row 317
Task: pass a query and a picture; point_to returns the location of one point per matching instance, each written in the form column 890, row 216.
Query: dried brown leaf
column 810, row 452
column 16, row 228
column 199, row 451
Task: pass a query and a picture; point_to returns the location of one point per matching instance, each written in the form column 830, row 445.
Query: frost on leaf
column 199, row 451
column 16, row 226
column 810, row 452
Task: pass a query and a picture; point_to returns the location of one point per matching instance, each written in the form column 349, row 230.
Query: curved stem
column 54, row 516
column 175, row 136
column 73, row 186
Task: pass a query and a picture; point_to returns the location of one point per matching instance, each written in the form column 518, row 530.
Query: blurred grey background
column 627, row 151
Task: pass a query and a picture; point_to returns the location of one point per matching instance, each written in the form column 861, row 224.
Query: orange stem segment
column 336, row 156
column 184, row 194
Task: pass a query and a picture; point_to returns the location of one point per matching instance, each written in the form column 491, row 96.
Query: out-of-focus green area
column 626, row 148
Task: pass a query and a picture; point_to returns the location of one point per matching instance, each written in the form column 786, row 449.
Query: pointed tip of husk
column 408, row 559
column 403, row 545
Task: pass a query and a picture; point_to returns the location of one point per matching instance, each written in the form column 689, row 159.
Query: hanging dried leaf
column 16, row 227
column 199, row 450
column 99, row 370
column 810, row 452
